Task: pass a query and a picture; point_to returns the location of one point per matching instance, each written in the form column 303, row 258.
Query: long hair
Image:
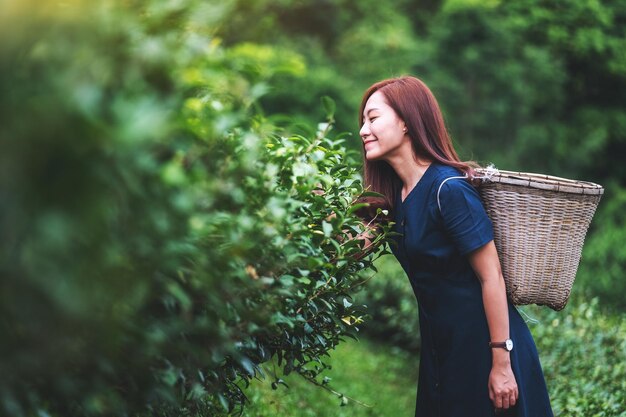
column 416, row 105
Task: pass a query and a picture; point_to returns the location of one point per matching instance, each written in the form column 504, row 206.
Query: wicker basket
column 539, row 223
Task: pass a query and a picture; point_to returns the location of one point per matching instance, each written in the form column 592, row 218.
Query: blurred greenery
column 369, row 379
column 530, row 85
column 392, row 307
column 582, row 351
column 160, row 236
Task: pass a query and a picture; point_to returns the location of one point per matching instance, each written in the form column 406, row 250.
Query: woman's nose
column 365, row 131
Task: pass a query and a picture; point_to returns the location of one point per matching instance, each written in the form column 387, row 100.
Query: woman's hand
column 503, row 390
column 370, row 228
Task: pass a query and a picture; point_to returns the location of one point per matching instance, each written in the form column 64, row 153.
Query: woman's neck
column 409, row 169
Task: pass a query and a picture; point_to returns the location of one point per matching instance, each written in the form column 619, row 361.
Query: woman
column 478, row 357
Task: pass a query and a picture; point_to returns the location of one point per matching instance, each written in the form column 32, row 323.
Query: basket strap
column 441, row 185
column 487, row 173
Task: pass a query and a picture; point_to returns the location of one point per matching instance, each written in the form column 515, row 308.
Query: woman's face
column 383, row 132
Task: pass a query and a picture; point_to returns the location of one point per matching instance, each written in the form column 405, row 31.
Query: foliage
column 604, row 255
column 346, row 44
column 161, row 238
column 391, row 306
column 582, row 352
column 528, row 85
column 373, row 379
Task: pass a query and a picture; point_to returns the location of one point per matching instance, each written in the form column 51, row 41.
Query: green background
column 161, row 245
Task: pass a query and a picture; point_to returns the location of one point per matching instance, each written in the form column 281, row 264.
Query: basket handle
column 441, row 185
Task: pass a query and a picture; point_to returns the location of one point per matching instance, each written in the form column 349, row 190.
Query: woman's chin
column 372, row 155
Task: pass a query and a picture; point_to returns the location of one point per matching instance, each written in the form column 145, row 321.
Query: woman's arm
column 368, row 236
column 503, row 390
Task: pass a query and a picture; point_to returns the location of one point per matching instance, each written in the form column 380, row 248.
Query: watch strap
column 506, row 345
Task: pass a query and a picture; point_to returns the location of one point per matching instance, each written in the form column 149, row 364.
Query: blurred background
column 98, row 100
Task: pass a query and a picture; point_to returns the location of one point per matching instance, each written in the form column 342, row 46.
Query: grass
column 381, row 376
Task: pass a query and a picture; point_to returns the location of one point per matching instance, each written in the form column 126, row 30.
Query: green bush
column 161, row 239
column 582, row 351
column 604, row 256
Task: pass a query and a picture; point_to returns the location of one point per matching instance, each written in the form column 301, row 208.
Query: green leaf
column 356, row 207
column 286, row 280
column 329, row 106
column 181, row 296
column 327, row 228
column 280, row 381
column 223, row 401
column 169, row 376
column 280, row 318
column 326, row 304
column 314, row 262
column 341, row 263
column 337, row 167
column 372, row 194
column 247, row 365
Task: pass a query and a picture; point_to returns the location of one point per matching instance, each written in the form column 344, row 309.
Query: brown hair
column 416, row 105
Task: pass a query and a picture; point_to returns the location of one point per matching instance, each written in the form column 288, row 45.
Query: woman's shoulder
column 445, row 174
column 449, row 183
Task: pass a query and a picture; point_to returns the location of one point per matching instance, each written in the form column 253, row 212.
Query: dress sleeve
column 464, row 216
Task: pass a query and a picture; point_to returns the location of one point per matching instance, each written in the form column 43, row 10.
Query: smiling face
column 383, row 132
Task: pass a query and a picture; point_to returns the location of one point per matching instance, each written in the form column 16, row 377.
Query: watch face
column 509, row 345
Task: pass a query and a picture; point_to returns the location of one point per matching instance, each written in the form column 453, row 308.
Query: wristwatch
column 507, row 344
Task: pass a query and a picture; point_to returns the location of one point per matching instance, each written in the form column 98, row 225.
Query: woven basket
column 539, row 223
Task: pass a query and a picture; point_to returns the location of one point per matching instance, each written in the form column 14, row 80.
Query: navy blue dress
column 455, row 358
